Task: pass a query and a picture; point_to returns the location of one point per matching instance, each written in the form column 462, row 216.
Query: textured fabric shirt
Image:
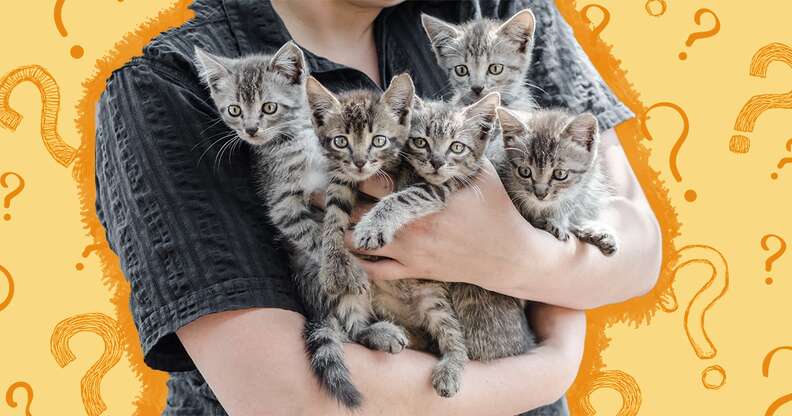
column 181, row 210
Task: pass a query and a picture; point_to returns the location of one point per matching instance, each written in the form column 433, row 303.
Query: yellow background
column 737, row 204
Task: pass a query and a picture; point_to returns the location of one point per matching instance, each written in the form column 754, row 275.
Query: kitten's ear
column 520, row 28
column 399, row 97
column 583, row 130
column 289, row 61
column 440, row 33
column 481, row 116
column 320, row 100
column 418, row 104
column 511, row 125
column 211, row 68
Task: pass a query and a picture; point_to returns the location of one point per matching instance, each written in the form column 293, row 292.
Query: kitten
column 262, row 98
column 484, row 56
column 444, row 154
column 362, row 133
column 552, row 173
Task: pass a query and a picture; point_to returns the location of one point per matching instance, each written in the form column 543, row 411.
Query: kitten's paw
column 369, row 237
column 603, row 240
column 446, row 378
column 384, row 336
column 556, row 231
column 344, row 277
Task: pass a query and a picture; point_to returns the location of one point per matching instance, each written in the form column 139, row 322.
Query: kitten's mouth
column 435, row 178
column 361, row 174
column 254, row 140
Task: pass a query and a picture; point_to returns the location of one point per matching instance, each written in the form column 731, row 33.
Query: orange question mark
column 783, row 162
column 622, row 383
column 778, row 253
column 758, row 104
column 108, row 330
column 76, row 51
column 605, row 17
column 50, row 105
column 10, row 395
column 86, row 251
column 714, row 376
column 766, row 372
column 701, row 35
column 690, row 195
column 12, row 194
column 10, row 294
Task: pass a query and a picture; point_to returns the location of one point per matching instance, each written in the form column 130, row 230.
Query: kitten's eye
column 340, row 142
column 560, row 174
column 269, row 108
column 495, row 69
column 419, row 142
column 461, row 70
column 234, row 110
column 379, row 140
column 525, row 172
column 457, row 147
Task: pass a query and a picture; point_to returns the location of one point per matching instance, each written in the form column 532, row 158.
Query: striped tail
column 324, row 345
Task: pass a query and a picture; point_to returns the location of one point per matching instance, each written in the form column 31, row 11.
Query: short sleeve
column 562, row 75
column 191, row 235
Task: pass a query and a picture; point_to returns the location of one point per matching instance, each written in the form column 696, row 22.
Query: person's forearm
column 576, row 274
column 252, row 371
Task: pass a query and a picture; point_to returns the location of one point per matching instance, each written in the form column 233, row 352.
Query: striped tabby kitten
column 485, row 55
column 553, row 174
column 362, row 133
column 444, row 154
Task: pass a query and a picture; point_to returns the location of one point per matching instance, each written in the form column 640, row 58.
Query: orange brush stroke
column 620, row 382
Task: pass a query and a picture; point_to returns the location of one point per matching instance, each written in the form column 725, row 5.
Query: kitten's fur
column 362, row 133
column 290, row 166
column 451, row 315
column 484, row 56
column 553, row 175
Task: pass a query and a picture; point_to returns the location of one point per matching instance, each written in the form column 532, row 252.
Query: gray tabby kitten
column 444, row 152
column 362, row 133
column 262, row 98
column 485, row 55
column 552, row 173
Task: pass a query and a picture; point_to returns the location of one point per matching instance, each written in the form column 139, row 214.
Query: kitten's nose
column 477, row 89
column 360, row 163
column 437, row 163
column 541, row 194
column 251, row 131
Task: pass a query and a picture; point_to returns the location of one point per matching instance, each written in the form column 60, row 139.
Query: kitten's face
column 550, row 153
column 446, row 142
column 483, row 56
column 362, row 132
column 257, row 95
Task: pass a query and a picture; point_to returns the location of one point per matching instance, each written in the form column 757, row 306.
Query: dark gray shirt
column 185, row 221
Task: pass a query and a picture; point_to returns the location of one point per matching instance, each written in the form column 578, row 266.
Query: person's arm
column 485, row 241
column 254, row 361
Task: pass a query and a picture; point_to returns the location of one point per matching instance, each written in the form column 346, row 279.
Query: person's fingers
column 385, row 269
column 377, row 186
column 387, row 251
column 359, row 210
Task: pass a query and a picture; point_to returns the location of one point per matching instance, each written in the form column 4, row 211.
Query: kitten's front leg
column 597, row 235
column 379, row 226
column 558, row 228
column 339, row 272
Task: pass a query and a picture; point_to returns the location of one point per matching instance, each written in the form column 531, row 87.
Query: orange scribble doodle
column 702, row 301
column 10, row 395
column 10, row 294
column 766, row 372
column 690, row 195
column 99, row 324
column 758, row 104
column 50, row 105
column 605, row 17
column 620, row 382
column 656, row 12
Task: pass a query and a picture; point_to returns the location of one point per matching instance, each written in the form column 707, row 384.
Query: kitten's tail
column 324, row 345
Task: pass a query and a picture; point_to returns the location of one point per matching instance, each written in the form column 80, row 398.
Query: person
column 211, row 294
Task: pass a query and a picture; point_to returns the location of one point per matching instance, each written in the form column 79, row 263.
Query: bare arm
column 486, row 242
column 254, row 362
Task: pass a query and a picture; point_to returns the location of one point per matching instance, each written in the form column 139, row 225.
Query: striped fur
column 552, row 173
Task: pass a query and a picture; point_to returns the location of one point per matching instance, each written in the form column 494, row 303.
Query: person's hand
column 479, row 238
